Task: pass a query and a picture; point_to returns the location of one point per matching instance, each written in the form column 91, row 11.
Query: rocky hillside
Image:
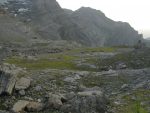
column 47, row 20
column 103, row 30
column 42, row 79
column 11, row 29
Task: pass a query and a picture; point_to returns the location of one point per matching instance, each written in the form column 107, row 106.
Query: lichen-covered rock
column 22, row 92
column 34, row 107
column 86, row 102
column 55, row 101
column 20, row 106
column 10, row 68
column 8, row 78
column 23, row 83
column 23, row 105
column 7, row 83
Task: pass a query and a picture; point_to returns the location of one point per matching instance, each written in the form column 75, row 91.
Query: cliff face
column 47, row 20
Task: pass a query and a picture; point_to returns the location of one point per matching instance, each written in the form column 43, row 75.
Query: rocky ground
column 46, row 79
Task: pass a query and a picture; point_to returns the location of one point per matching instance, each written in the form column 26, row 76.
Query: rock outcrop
column 9, row 77
column 86, row 102
column 5, row 85
column 22, row 83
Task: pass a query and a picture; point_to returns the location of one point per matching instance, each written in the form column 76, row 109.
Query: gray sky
column 136, row 12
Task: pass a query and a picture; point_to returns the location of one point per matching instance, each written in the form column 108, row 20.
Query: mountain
column 45, row 19
column 103, row 30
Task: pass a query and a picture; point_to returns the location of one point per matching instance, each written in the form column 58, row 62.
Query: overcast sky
column 136, row 12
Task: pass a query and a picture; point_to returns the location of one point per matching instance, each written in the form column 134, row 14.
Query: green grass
column 67, row 60
column 134, row 106
column 65, row 57
column 135, row 60
column 96, row 49
column 41, row 63
column 113, row 81
column 56, row 61
column 91, row 81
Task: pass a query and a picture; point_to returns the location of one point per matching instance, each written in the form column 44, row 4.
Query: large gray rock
column 86, row 102
column 20, row 106
column 54, row 101
column 7, row 83
column 23, row 83
column 8, row 78
column 23, row 105
column 34, row 107
column 22, row 92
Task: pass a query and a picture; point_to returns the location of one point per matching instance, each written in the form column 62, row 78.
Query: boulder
column 8, row 78
column 86, row 102
column 89, row 93
column 38, row 88
column 55, row 101
column 23, row 83
column 72, row 78
column 20, row 106
column 23, row 105
column 11, row 69
column 22, row 92
column 7, row 83
column 121, row 66
column 34, row 107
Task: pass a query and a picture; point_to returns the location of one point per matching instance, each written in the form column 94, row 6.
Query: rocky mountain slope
column 45, row 69
column 42, row 79
column 47, row 20
column 103, row 30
